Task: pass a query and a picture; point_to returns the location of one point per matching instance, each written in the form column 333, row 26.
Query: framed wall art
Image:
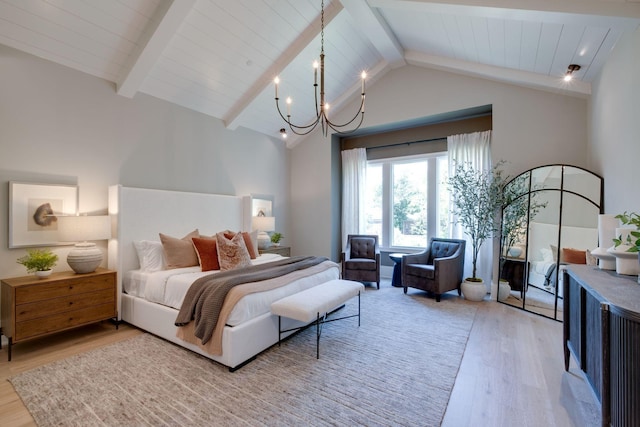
column 262, row 205
column 34, row 211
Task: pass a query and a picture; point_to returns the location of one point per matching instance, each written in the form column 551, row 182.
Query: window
column 407, row 200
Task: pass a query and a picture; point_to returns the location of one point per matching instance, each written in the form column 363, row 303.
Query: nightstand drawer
column 80, row 285
column 39, row 309
column 58, row 322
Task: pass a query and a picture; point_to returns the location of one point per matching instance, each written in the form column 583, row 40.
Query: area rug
column 398, row 368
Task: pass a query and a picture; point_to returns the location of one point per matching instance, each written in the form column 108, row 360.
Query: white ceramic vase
column 504, row 290
column 473, row 291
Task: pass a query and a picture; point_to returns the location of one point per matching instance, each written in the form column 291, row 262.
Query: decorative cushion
column 250, row 241
column 150, row 255
column 207, row 251
column 573, row 256
column 180, row 253
column 546, row 254
column 232, row 253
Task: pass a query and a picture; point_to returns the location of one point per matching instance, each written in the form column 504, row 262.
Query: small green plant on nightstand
column 276, row 238
column 38, row 260
column 633, row 239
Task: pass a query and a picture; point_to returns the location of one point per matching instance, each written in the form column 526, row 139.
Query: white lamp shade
column 83, row 228
column 263, row 223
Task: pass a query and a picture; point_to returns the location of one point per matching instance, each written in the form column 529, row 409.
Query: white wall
column 530, row 128
column 615, row 126
column 62, row 126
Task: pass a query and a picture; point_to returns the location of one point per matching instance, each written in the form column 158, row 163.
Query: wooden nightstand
column 280, row 250
column 33, row 307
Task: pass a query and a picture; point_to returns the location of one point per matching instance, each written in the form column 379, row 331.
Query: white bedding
column 168, row 287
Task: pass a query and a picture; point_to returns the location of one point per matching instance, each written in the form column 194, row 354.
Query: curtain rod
column 406, row 143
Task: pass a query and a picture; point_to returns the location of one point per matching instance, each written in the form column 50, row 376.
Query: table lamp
column 263, row 224
column 85, row 256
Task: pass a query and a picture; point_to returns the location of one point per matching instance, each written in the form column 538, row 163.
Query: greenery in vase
column 633, row 240
column 38, row 260
column 276, row 237
column 477, row 197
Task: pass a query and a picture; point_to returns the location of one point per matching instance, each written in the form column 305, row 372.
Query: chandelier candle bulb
column 315, row 73
column 276, row 81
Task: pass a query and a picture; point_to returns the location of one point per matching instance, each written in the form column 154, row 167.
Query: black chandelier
column 322, row 109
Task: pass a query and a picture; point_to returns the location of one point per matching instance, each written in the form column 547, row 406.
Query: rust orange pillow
column 574, row 256
column 206, row 248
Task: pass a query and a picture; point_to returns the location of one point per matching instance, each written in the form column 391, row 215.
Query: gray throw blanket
column 204, row 299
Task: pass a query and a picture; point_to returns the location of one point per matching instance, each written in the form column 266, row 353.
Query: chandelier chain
column 322, row 26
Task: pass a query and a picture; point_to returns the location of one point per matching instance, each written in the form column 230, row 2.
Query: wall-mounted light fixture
column 569, row 75
column 283, row 133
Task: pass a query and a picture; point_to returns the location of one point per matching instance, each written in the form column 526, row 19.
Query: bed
column 543, row 256
column 150, row 300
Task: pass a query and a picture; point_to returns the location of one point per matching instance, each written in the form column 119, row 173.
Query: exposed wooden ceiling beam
column 586, row 12
column 521, row 78
column 376, row 28
column 162, row 28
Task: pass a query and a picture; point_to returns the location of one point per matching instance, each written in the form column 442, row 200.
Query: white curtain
column 473, row 149
column 354, row 173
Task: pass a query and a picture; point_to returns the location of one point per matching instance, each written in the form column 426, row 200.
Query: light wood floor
column 512, row 372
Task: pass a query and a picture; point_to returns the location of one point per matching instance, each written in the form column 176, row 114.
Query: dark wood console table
column 602, row 331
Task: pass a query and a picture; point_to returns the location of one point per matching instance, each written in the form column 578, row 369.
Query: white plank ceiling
column 219, row 57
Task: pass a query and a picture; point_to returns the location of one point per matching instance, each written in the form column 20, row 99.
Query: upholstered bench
column 316, row 303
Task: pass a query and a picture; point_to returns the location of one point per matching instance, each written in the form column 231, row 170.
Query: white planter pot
column 43, row 273
column 473, row 291
column 504, row 290
column 626, row 262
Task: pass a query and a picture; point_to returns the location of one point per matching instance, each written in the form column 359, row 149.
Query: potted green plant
column 632, row 240
column 39, row 261
column 276, row 238
column 477, row 197
column 625, row 245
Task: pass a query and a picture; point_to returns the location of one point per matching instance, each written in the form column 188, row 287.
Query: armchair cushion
column 422, row 270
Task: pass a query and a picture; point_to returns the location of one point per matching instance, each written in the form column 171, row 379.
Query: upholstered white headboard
column 140, row 214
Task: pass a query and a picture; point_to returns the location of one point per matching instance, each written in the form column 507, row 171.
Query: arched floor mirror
column 549, row 220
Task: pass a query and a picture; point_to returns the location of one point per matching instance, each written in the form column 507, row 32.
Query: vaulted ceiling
column 220, row 57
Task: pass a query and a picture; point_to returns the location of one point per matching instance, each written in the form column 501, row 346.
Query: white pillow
column 546, row 254
column 150, row 255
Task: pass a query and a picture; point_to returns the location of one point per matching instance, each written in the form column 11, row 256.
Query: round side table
column 396, row 279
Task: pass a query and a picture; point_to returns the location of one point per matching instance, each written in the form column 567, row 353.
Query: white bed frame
column 140, row 214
